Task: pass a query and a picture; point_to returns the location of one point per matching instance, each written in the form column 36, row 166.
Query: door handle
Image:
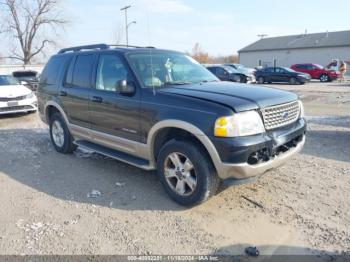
column 63, row 93
column 96, row 99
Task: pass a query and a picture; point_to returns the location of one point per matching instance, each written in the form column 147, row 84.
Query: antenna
column 262, row 36
column 150, row 50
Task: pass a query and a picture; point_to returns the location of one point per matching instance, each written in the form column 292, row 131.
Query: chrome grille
column 280, row 115
column 7, row 99
column 14, row 108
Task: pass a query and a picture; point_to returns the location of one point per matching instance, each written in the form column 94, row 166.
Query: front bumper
column 269, row 150
column 21, row 106
column 245, row 170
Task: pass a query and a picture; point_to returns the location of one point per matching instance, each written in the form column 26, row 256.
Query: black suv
column 159, row 109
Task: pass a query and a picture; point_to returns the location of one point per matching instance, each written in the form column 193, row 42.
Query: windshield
column 289, row 69
column 157, row 69
column 239, row 66
column 8, row 81
column 230, row 69
column 318, row 66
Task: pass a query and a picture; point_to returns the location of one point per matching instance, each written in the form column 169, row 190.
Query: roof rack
column 98, row 47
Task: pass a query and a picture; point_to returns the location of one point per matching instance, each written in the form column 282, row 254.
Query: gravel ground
column 86, row 203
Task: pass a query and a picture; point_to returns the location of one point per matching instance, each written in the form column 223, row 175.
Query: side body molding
column 141, row 150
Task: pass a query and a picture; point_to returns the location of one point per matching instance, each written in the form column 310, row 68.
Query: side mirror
column 124, row 87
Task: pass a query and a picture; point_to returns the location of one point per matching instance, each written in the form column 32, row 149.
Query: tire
column 199, row 173
column 293, row 81
column 60, row 136
column 261, row 80
column 324, row 78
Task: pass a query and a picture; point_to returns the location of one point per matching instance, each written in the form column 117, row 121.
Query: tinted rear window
column 82, row 71
column 52, row 70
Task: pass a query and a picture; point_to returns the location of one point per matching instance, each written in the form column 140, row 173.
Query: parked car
column 160, row 109
column 281, row 74
column 250, row 72
column 316, row 72
column 27, row 78
column 14, row 97
column 227, row 73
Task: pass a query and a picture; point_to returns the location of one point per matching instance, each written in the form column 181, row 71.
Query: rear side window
column 79, row 71
column 302, row 67
column 212, row 69
column 52, row 70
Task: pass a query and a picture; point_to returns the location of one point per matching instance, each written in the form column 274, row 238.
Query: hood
column 14, row 91
column 239, row 97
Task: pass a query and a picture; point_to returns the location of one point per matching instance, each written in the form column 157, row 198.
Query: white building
column 320, row 48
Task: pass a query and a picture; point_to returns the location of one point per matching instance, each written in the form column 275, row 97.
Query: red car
column 316, row 72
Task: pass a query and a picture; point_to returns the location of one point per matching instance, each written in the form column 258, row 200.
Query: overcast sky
column 221, row 26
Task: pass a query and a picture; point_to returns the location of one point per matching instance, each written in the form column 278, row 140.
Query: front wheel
column 60, row 135
column 324, row 78
column 186, row 172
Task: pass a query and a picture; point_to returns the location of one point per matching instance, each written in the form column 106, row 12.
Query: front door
column 114, row 117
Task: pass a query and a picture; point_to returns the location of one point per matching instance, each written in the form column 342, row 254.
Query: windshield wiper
column 208, row 81
column 177, row 83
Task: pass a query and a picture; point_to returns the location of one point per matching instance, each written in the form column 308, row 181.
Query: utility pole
column 125, row 8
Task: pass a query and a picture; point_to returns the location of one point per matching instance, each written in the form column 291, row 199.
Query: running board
column 123, row 157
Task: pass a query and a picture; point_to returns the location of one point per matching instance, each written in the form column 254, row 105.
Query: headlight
column 302, row 112
column 30, row 96
column 240, row 124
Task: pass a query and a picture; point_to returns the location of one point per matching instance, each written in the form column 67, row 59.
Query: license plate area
column 12, row 103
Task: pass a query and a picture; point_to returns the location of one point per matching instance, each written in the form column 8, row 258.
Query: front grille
column 7, row 99
column 280, row 115
column 14, row 108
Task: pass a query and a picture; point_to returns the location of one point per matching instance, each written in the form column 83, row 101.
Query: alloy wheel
column 180, row 174
column 57, row 133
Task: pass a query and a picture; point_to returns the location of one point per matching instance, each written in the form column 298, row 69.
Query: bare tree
column 28, row 22
column 198, row 54
column 203, row 57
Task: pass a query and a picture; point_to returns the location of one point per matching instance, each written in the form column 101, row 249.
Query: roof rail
column 99, row 46
column 83, row 47
column 132, row 46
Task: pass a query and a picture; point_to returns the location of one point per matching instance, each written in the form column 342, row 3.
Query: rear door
column 111, row 112
column 281, row 75
column 76, row 87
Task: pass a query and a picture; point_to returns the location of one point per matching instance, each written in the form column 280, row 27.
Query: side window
column 110, row 70
column 68, row 80
column 220, row 71
column 51, row 72
column 79, row 71
column 212, row 69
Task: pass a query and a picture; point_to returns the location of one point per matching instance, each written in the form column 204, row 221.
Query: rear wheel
column 60, row 135
column 186, row 172
column 261, row 80
column 324, row 78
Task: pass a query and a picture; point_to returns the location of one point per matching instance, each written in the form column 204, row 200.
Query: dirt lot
column 47, row 206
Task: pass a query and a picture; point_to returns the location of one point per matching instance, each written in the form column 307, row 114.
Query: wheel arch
column 164, row 128
column 51, row 107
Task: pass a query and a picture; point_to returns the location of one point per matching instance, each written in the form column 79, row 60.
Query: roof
column 325, row 39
